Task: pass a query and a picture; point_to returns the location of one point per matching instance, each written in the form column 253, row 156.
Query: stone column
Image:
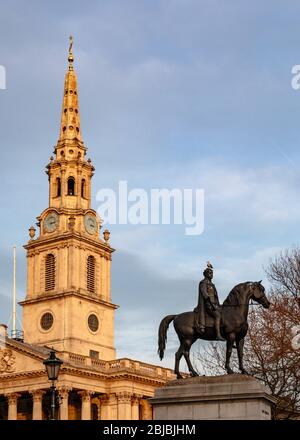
column 36, row 264
column 63, row 393
column 105, row 413
column 103, row 407
column 85, row 404
column 135, row 406
column 107, row 284
column 124, row 405
column 63, row 185
column 103, row 277
column 37, row 398
column 71, row 267
column 30, row 272
column 12, row 405
column 147, row 410
column 78, row 182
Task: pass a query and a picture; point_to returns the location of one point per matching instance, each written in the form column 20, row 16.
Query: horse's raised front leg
column 240, row 350
column 186, row 354
column 178, row 356
column 229, row 346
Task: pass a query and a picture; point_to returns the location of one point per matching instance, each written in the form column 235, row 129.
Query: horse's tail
column 162, row 334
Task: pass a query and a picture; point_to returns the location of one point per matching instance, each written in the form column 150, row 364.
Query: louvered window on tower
column 91, row 274
column 58, row 187
column 50, row 272
column 83, row 188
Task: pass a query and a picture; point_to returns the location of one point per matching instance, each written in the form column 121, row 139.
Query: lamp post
column 52, row 365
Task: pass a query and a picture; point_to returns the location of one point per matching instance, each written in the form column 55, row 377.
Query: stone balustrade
column 118, row 365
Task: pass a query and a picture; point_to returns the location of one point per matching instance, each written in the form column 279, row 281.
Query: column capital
column 63, row 391
column 37, row 395
column 135, row 398
column 124, row 397
column 104, row 398
column 85, row 395
column 12, row 398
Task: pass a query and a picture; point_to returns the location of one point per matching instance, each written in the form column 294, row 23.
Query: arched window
column 91, row 274
column 71, row 186
column 50, row 272
column 58, row 187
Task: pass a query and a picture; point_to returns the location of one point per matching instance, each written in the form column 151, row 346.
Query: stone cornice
column 56, row 163
column 22, row 375
column 23, row 348
column 68, row 236
column 78, row 372
column 61, row 143
column 111, row 377
column 61, row 295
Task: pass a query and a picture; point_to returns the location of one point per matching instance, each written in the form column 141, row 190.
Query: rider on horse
column 208, row 303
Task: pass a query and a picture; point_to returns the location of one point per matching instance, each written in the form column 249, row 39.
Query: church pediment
column 17, row 359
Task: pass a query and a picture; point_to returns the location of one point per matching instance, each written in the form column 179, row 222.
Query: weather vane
column 71, row 44
column 70, row 57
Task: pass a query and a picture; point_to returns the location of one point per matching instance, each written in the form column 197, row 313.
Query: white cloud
column 236, row 199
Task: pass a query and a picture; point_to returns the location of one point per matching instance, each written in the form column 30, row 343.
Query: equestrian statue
column 213, row 322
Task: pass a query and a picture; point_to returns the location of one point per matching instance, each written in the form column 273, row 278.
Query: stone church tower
column 68, row 304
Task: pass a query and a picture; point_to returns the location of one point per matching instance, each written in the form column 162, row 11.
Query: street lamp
column 52, row 365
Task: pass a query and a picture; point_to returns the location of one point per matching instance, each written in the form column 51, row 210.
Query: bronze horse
column 234, row 326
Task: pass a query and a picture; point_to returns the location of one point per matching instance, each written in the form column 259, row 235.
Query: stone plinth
column 228, row 397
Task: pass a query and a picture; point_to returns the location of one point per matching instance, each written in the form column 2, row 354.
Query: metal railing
column 18, row 335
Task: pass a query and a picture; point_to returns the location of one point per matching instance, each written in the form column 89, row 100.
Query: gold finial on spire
column 70, row 57
column 70, row 118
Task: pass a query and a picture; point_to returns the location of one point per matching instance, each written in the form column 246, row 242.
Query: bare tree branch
column 268, row 353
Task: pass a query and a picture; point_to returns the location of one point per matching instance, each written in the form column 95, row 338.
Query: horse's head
column 257, row 292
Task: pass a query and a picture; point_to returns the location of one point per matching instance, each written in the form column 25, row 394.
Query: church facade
column 68, row 305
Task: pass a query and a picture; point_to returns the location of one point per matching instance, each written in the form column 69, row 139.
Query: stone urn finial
column 106, row 235
column 32, row 231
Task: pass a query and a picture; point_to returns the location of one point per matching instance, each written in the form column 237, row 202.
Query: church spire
column 70, row 118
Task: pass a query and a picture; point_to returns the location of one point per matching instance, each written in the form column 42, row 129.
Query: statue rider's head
column 209, row 273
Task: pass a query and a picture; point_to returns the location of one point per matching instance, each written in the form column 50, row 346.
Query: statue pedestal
column 228, row 397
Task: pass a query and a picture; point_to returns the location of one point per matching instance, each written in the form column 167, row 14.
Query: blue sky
column 172, row 93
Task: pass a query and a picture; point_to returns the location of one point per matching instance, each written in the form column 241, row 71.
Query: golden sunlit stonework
column 68, row 304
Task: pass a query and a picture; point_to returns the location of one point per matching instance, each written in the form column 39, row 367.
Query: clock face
column 51, row 222
column 90, row 224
